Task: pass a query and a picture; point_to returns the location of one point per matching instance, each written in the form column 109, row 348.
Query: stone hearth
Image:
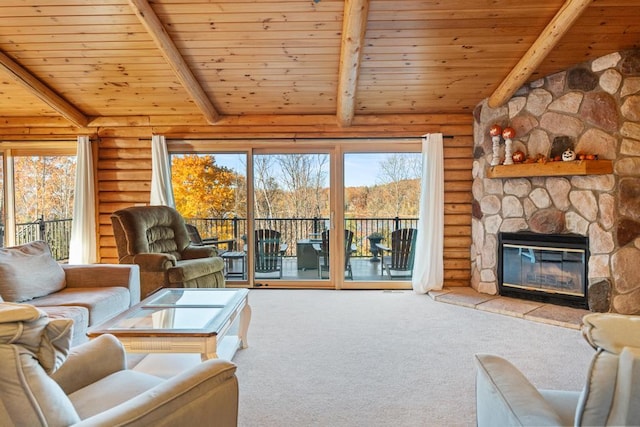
column 593, row 108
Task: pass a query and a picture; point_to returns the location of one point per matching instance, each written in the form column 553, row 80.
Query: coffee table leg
column 245, row 318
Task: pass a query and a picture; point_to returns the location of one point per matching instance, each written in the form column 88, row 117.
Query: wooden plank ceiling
column 84, row 60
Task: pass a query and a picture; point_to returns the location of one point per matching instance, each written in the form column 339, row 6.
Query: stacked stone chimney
column 593, row 108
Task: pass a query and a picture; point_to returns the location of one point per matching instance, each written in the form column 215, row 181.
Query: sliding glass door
column 291, row 209
column 325, row 214
column 381, row 195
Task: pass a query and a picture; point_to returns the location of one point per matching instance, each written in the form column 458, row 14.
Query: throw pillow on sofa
column 44, row 277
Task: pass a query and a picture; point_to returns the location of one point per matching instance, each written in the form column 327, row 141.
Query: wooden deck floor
column 363, row 270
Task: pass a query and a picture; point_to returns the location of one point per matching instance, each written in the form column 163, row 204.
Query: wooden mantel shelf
column 576, row 167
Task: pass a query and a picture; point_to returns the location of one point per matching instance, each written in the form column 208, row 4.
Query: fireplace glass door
column 542, row 268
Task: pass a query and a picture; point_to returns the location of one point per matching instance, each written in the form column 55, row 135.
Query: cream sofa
column 87, row 294
column 44, row 382
column 610, row 397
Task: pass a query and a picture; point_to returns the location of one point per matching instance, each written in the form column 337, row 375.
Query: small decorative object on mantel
column 518, row 156
column 495, row 132
column 568, row 155
column 508, row 134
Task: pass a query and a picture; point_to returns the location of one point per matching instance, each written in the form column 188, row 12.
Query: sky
column 360, row 168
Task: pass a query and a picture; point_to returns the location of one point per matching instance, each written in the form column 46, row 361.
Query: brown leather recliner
column 156, row 239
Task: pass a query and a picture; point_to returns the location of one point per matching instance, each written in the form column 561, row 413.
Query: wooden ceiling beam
column 546, row 41
column 167, row 47
column 353, row 31
column 42, row 91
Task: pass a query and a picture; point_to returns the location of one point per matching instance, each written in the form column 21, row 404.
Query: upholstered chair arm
column 104, row 275
column 206, row 394
column 194, row 252
column 152, row 261
column 506, row 398
column 90, row 362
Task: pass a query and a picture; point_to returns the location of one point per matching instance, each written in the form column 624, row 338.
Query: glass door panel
column 210, row 191
column 381, row 197
column 291, row 215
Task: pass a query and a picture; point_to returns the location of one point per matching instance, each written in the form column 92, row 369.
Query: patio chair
column 269, row 252
column 197, row 240
column 399, row 262
column 322, row 249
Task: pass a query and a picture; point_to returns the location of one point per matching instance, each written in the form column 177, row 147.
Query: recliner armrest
column 194, row 252
column 150, row 261
column 90, row 362
column 505, row 397
column 104, row 275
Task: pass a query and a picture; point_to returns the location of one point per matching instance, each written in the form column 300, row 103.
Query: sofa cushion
column 102, row 303
column 29, row 271
column 79, row 315
column 193, row 268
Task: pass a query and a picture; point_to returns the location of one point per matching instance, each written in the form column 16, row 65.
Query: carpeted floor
column 385, row 358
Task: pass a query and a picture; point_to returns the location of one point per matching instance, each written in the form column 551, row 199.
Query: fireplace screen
column 544, row 267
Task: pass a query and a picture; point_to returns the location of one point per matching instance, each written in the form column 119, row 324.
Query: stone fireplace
column 592, row 108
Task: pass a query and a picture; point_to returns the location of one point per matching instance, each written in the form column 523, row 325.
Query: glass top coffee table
column 212, row 322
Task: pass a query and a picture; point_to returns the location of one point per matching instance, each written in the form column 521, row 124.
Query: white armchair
column 45, row 383
column 610, row 397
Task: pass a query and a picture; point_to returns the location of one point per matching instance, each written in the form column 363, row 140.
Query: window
column 37, row 196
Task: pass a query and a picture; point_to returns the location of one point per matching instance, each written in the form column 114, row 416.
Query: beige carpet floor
column 385, row 358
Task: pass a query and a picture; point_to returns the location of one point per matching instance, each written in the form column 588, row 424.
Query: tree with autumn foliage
column 202, row 189
column 45, row 188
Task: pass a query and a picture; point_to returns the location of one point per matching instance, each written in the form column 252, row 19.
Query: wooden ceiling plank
column 353, row 32
column 42, row 91
column 544, row 44
column 165, row 44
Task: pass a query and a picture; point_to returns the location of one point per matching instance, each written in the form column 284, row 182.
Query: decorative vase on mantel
column 375, row 238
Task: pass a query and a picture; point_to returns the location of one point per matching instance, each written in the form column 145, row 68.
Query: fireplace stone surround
column 593, row 108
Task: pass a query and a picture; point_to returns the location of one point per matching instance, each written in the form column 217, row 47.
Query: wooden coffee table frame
column 211, row 341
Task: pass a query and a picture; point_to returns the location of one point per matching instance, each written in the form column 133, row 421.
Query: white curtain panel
column 82, row 248
column 161, row 190
column 428, row 270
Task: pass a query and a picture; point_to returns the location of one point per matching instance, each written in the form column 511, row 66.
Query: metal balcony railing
column 294, row 229
column 58, row 232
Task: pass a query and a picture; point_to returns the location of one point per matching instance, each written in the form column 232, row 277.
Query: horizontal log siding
column 124, row 179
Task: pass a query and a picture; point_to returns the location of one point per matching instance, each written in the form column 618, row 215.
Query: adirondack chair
column 269, row 251
column 322, row 250
column 399, row 262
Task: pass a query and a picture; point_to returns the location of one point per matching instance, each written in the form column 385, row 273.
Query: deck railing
column 294, row 229
column 58, row 232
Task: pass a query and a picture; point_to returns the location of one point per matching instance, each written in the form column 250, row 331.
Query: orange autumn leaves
column 203, row 189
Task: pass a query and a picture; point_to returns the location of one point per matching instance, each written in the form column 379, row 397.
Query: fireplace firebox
column 544, row 267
